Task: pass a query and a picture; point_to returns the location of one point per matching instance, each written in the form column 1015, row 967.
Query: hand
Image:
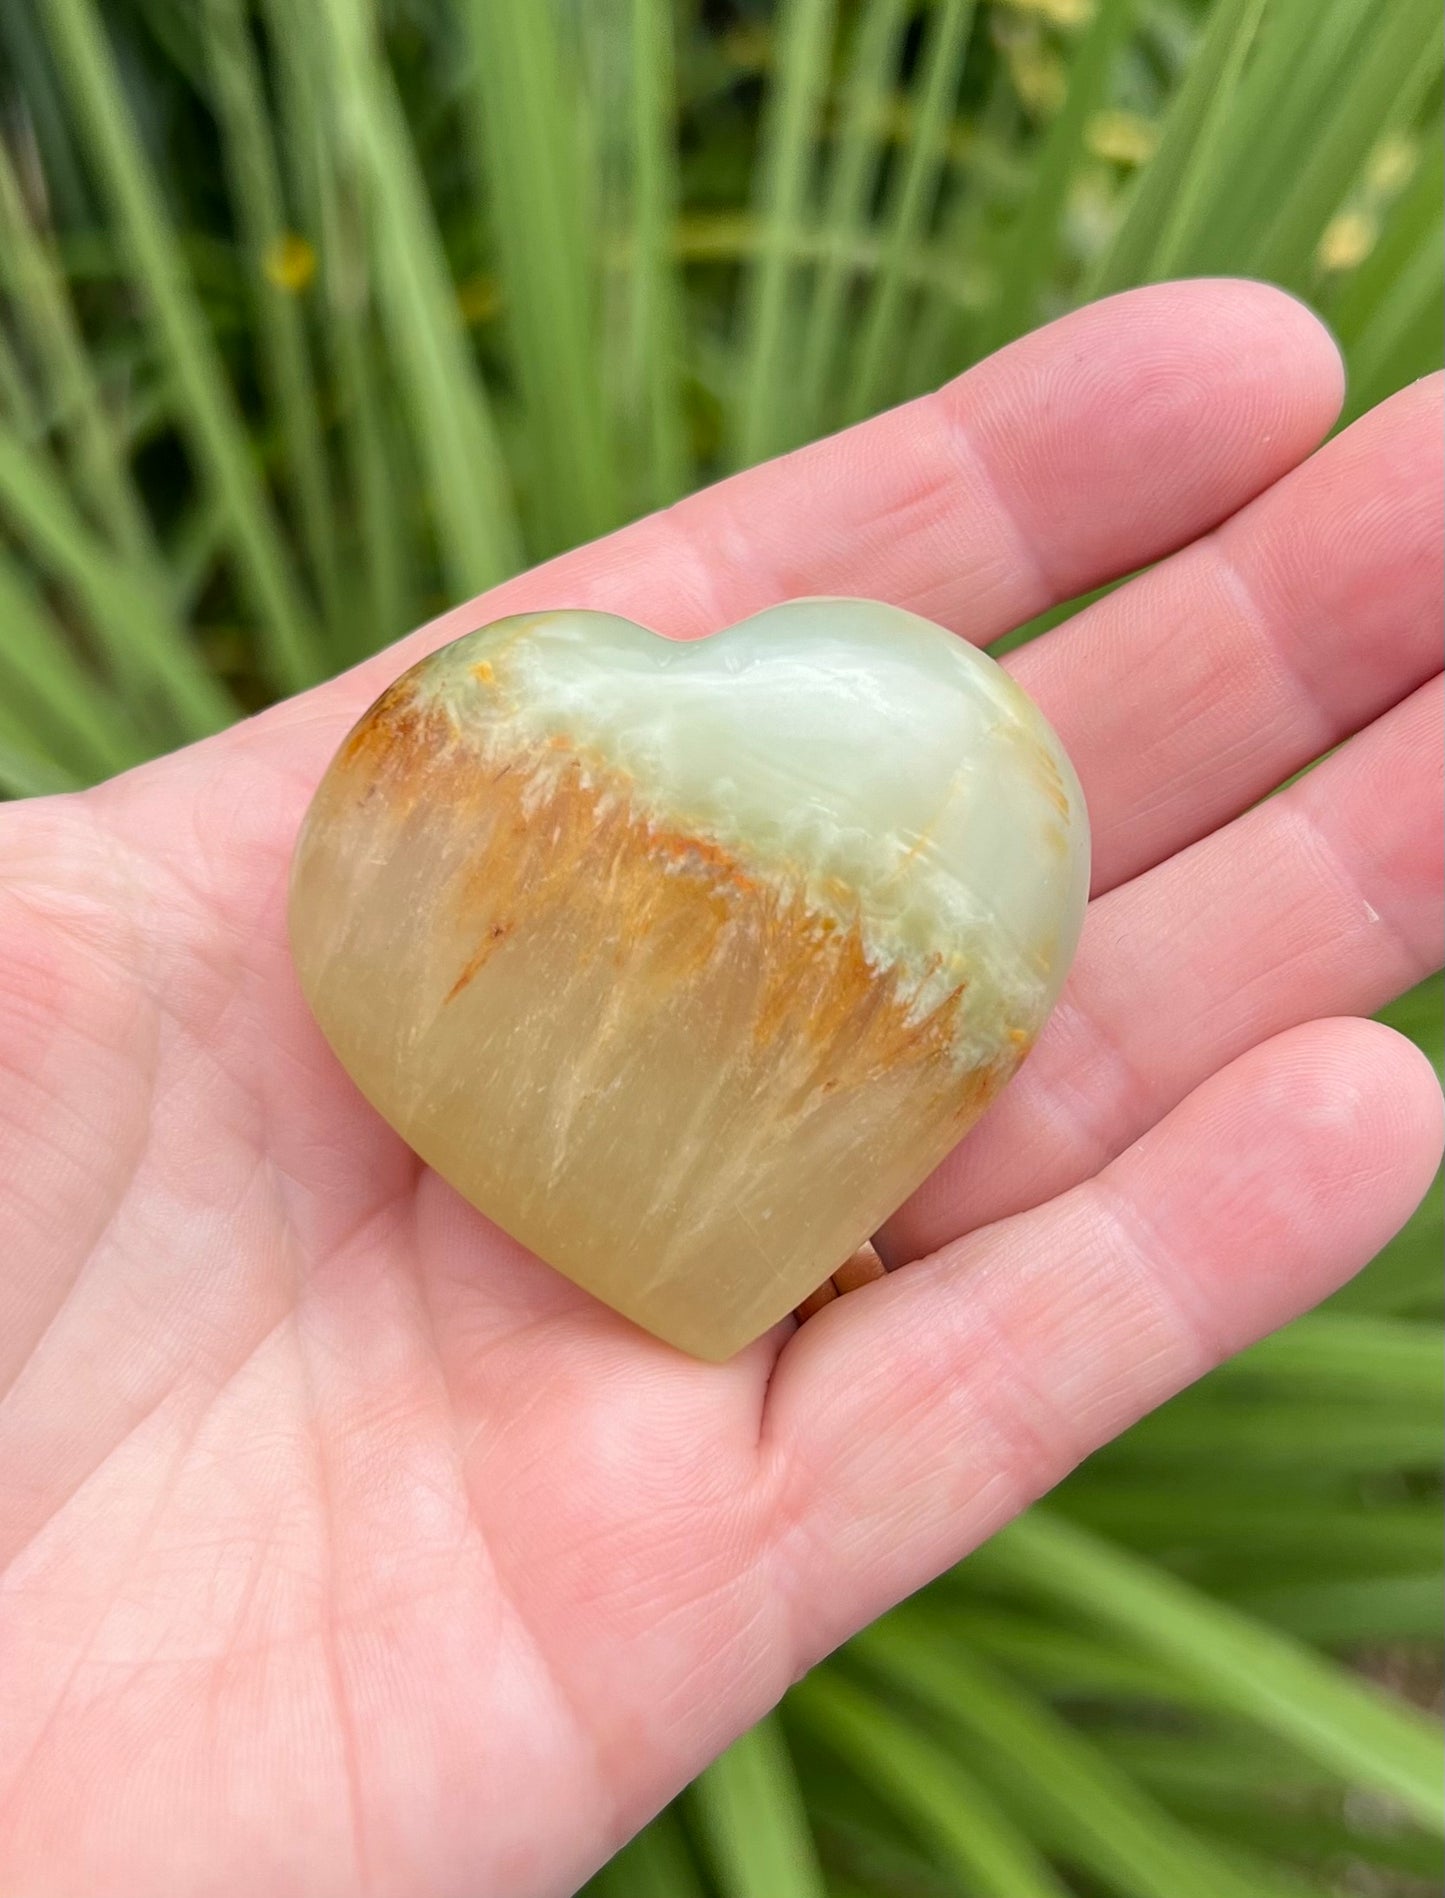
column 345, row 1547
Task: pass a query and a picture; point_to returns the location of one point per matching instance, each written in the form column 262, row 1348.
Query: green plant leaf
column 857, row 159
column 126, row 612
column 1362, row 1734
column 1390, row 1360
column 24, row 773
column 1151, row 239
column 957, row 1818
column 38, row 292
column 1306, row 54
column 1095, row 1817
column 763, row 423
column 208, row 411
column 873, row 371
column 1400, row 339
column 656, row 1864
column 57, row 714
column 1279, row 1433
column 655, row 340
column 380, row 597
column 529, row 112
column 751, row 1819
column 1345, row 1613
column 256, row 191
column 451, row 412
column 1283, row 1534
column 1031, row 251
column 1400, row 62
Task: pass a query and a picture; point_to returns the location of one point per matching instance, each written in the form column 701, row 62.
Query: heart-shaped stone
column 686, row 963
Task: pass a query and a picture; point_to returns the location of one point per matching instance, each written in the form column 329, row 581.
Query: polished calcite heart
column 687, row 962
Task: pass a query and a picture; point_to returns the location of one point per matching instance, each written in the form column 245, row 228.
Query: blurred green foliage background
column 317, row 315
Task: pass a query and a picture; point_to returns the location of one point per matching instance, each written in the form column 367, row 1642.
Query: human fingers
column 1202, row 684
column 908, row 1421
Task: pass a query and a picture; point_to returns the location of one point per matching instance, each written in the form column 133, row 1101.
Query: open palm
column 343, row 1546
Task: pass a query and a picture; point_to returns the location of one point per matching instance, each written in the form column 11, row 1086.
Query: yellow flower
column 289, row 263
column 1390, row 166
column 1056, row 12
column 1122, row 137
column 1040, row 79
column 1348, row 240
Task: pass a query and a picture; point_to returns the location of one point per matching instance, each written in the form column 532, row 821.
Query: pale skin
column 346, row 1548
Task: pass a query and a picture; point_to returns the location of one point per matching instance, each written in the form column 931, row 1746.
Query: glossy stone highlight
column 686, row 963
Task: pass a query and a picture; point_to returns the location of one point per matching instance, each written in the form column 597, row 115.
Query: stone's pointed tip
column 686, row 964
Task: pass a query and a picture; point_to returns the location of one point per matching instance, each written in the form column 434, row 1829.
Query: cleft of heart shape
column 687, row 962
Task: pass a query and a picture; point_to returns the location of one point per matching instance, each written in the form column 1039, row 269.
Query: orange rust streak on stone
column 1042, row 768
column 543, row 843
column 496, row 935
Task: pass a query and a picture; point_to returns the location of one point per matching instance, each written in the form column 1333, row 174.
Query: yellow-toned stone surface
column 687, row 963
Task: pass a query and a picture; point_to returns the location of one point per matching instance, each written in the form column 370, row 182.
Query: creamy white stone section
column 895, row 771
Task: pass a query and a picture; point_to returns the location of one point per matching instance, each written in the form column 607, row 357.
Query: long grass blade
column 655, row 341
column 873, row 372
column 1306, row 51
column 858, row 152
column 1156, row 218
column 1235, row 1791
column 1409, row 229
column 207, row 407
column 128, row 615
column 1257, row 1673
column 1192, row 188
column 750, row 1814
column 451, row 412
column 256, row 193
column 53, row 701
column 977, row 218
column 1389, row 1360
column 1347, row 1614
column 376, row 458
column 1222, row 1762
column 1278, row 1434
column 379, row 595
column 33, row 278
column 1068, row 1663
column 962, row 1824
column 1401, row 339
column 1281, row 1534
column 24, row 773
column 548, row 256
column 1315, row 1838
column 1401, row 62
column 765, row 421
column 656, row 1864
column 1092, row 1814
column 17, row 404
column 866, row 1850
column 1031, row 252
column 22, row 38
